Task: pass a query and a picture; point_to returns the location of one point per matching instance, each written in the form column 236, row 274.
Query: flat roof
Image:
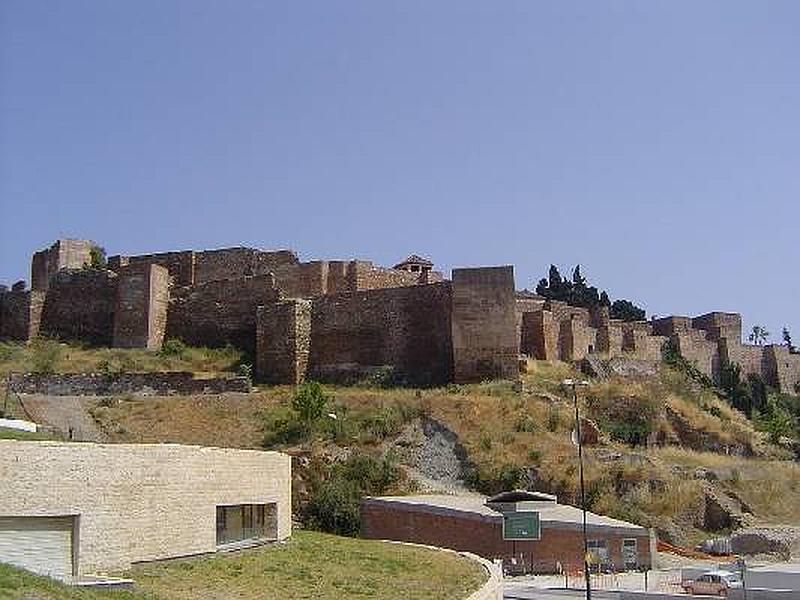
column 778, row 568
column 551, row 514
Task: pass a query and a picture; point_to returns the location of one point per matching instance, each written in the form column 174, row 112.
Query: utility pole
column 574, row 384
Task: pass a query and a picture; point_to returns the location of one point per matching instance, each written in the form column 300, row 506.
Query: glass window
column 241, row 522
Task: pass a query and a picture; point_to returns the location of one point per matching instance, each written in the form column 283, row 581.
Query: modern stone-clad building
column 474, row 523
column 68, row 510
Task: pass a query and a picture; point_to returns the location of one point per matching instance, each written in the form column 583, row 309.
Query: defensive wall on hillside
column 344, row 319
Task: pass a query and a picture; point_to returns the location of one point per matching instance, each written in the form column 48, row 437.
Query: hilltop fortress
column 338, row 320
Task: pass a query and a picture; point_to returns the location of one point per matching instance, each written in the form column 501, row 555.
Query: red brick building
column 474, row 524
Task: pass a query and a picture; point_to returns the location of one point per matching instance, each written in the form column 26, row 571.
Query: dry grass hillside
column 670, row 454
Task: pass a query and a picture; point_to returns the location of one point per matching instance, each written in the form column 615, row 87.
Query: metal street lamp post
column 574, row 384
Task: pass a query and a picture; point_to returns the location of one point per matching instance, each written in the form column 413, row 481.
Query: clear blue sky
column 655, row 143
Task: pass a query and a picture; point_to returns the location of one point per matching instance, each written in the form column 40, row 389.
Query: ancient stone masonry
column 180, row 265
column 101, row 384
column 220, row 312
column 80, row 306
column 141, row 306
column 556, row 331
column 344, row 337
column 341, row 320
column 283, row 339
column 484, row 324
column 406, row 328
column 20, row 314
column 63, row 254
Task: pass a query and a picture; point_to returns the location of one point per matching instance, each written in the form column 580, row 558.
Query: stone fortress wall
column 342, row 319
column 551, row 330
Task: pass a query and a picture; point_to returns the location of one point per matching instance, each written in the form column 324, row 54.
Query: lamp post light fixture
column 579, row 442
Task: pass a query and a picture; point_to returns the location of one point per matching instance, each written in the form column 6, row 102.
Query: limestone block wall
column 63, row 254
column 20, row 314
column 407, row 328
column 484, row 324
column 140, row 502
column 283, row 340
column 80, row 306
column 140, row 316
column 220, row 312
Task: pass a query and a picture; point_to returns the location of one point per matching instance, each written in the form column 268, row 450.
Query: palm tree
column 758, row 335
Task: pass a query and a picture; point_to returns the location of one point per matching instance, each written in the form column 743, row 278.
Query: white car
column 714, row 583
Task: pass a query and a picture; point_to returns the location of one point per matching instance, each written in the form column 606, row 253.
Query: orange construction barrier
column 689, row 553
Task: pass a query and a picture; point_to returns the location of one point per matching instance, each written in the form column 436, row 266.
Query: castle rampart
column 79, row 305
column 63, row 254
column 220, row 312
column 342, row 319
column 484, row 324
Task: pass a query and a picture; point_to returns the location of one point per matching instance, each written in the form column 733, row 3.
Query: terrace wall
column 100, row 384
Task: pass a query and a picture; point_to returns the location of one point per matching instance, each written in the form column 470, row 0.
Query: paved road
column 523, row 591
column 64, row 413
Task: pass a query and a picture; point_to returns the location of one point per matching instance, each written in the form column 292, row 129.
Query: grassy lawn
column 45, row 355
column 310, row 565
column 16, row 434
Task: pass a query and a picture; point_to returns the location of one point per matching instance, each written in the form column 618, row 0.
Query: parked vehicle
column 713, row 583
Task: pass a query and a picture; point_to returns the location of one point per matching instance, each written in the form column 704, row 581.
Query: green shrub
column 245, row 370
column 10, row 352
column 388, row 420
column 97, row 258
column 309, row 402
column 553, row 420
column 283, row 431
column 385, row 376
column 629, row 420
column 335, row 497
column 334, row 507
column 45, row 355
column 173, row 347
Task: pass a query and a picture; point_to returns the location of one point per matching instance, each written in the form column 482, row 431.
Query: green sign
column 521, row 526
